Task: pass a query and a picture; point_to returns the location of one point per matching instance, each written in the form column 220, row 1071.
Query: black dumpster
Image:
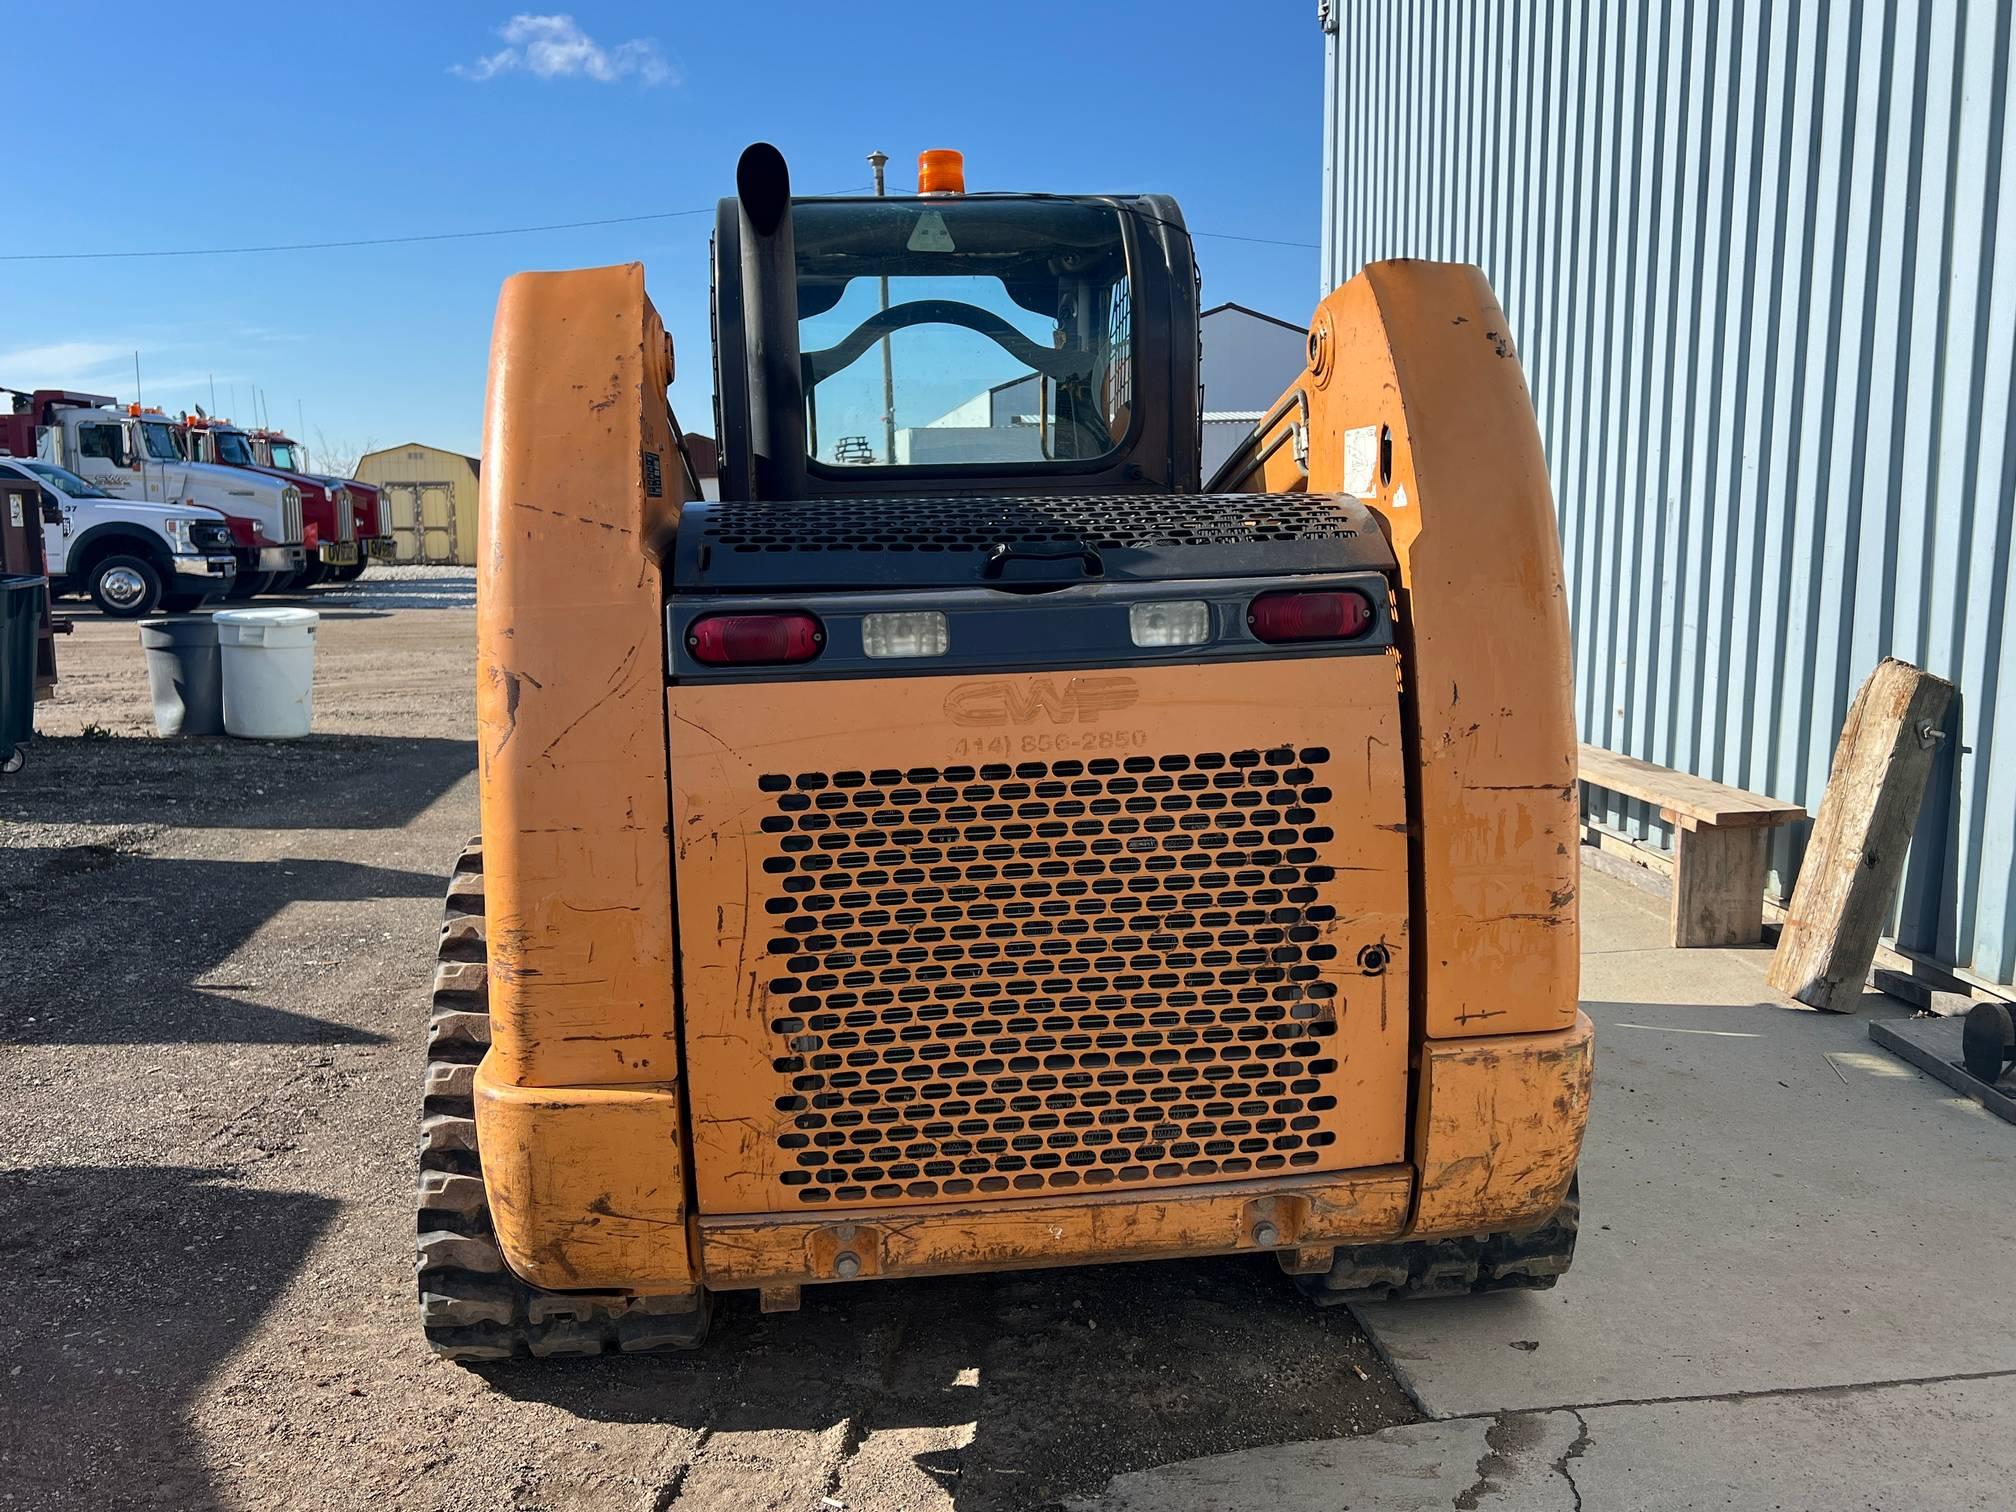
column 20, row 624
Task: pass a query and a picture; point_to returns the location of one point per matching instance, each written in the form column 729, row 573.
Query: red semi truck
column 327, row 514
column 374, row 531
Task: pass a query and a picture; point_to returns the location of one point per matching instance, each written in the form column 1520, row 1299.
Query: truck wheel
column 308, row 577
column 1532, row 1260
column 125, row 587
column 471, row 1305
column 250, row 584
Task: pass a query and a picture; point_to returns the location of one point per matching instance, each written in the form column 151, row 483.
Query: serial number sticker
column 1048, row 742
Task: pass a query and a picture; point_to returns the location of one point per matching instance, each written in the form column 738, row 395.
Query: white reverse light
column 1185, row 623
column 919, row 633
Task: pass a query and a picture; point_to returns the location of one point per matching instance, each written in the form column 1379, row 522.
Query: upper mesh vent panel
column 1104, row 522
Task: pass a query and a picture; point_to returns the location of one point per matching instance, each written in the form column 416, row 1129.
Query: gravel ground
column 213, row 977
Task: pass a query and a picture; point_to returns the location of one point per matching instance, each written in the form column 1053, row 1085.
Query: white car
column 131, row 557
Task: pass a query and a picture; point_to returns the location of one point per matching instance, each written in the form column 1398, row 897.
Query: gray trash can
column 186, row 674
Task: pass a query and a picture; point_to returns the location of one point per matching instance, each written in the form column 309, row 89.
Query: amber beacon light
column 940, row 170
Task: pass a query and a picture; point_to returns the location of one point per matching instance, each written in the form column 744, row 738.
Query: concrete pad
column 1929, row 1448
column 1617, row 917
column 1768, row 1202
column 1516, row 1462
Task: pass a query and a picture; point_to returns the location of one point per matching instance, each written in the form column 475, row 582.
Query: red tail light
column 754, row 640
column 1322, row 614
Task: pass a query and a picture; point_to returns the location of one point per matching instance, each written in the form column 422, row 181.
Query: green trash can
column 20, row 624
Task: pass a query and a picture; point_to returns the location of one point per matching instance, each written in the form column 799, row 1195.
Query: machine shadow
column 323, row 782
column 457, row 591
column 126, row 1288
column 327, row 612
column 151, row 932
column 1066, row 1377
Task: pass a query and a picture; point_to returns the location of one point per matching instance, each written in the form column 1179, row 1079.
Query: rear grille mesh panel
column 1008, row 979
column 1105, row 522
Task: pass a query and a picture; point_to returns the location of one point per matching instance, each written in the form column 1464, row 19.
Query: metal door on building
column 423, row 521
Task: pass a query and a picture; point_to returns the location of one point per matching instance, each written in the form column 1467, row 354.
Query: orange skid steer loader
column 976, row 841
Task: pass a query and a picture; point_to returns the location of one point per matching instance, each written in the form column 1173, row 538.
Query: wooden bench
column 1720, row 835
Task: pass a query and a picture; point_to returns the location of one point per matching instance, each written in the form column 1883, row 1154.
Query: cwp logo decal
column 1080, row 700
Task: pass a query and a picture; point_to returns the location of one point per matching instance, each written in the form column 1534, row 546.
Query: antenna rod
column 139, row 437
column 878, row 160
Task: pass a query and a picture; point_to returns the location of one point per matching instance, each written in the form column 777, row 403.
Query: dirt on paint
column 214, row 962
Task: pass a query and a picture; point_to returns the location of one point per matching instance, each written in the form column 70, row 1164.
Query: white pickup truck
column 132, row 558
column 137, row 454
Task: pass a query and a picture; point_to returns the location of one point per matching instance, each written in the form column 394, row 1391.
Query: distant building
column 1250, row 359
column 973, row 431
column 706, row 463
column 429, row 499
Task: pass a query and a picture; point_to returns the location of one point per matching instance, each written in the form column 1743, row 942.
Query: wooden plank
column 1718, row 886
column 1682, row 793
column 1925, row 996
column 1962, row 978
column 1856, row 856
column 1765, row 818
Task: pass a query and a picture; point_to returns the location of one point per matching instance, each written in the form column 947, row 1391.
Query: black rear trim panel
column 989, row 631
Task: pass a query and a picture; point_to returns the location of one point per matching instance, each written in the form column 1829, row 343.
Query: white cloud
column 64, row 364
column 169, row 376
column 553, row 47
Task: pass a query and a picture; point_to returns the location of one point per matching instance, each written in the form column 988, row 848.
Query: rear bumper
column 587, row 1189
column 1304, row 1212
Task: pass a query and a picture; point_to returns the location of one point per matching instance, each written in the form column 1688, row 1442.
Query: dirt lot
column 214, row 958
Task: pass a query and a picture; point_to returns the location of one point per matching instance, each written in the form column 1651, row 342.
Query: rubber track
column 471, row 1305
column 1530, row 1261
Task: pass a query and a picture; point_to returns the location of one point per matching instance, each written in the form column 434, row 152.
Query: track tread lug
column 457, row 1027
column 447, row 1131
column 448, row 1192
column 444, row 1249
column 450, row 1079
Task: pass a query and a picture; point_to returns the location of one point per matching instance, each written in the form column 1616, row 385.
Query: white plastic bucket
column 269, row 671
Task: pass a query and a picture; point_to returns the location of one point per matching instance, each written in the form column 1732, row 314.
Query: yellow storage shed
column 429, row 501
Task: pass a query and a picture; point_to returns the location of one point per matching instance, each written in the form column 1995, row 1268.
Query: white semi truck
column 138, row 454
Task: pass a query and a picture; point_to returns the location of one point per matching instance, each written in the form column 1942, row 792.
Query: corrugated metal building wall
column 1752, row 255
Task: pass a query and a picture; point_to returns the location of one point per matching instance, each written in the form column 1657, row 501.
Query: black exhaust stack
column 770, row 323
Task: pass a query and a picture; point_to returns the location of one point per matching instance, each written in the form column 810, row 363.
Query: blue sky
column 233, row 125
